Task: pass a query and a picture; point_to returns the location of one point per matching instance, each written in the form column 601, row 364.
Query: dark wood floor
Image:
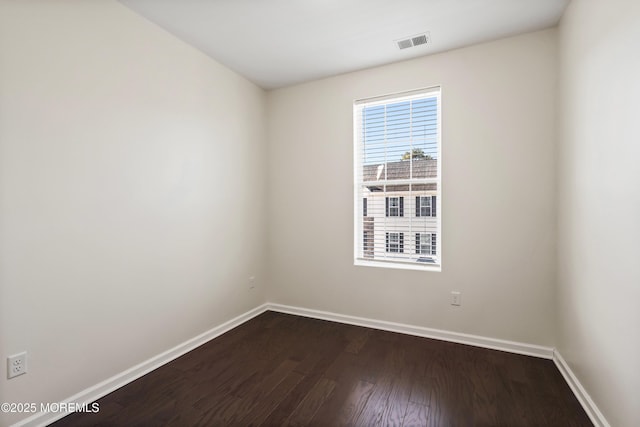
column 279, row 369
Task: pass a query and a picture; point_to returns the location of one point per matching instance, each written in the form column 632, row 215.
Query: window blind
column 397, row 147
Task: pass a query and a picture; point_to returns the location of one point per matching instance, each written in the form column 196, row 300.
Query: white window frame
column 429, row 248
column 359, row 259
column 396, row 207
column 427, row 209
column 398, row 243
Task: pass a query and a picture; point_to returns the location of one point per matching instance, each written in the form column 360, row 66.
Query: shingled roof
column 422, row 168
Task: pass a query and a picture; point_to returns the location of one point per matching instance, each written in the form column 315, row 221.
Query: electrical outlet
column 17, row 365
column 456, row 298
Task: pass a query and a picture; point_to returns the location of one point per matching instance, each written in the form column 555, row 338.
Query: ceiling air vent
column 403, row 44
column 417, row 40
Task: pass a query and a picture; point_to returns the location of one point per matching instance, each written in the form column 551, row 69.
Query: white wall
column 599, row 203
column 498, row 195
column 131, row 180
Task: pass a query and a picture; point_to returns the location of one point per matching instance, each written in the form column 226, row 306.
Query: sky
column 391, row 130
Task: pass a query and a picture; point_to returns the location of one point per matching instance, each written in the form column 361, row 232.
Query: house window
column 395, row 242
column 394, row 206
column 397, row 146
column 426, row 243
column 426, row 206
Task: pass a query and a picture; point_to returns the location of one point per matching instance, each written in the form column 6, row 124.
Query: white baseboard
column 579, row 391
column 457, row 337
column 107, row 386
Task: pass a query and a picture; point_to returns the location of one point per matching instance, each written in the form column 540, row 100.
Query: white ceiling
column 276, row 43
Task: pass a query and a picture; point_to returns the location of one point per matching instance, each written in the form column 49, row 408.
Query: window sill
column 397, row 265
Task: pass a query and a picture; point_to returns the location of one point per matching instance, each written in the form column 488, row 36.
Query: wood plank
column 416, row 415
column 308, row 407
column 358, row 339
column 270, row 402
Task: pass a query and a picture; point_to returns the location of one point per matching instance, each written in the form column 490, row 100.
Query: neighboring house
column 400, row 219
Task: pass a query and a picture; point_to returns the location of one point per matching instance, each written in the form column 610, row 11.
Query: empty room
column 320, row 212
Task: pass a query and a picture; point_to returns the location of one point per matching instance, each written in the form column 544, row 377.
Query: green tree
column 417, row 154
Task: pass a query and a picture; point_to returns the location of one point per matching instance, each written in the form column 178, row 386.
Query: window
column 426, row 243
column 394, row 206
column 426, row 206
column 395, row 242
column 397, row 147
